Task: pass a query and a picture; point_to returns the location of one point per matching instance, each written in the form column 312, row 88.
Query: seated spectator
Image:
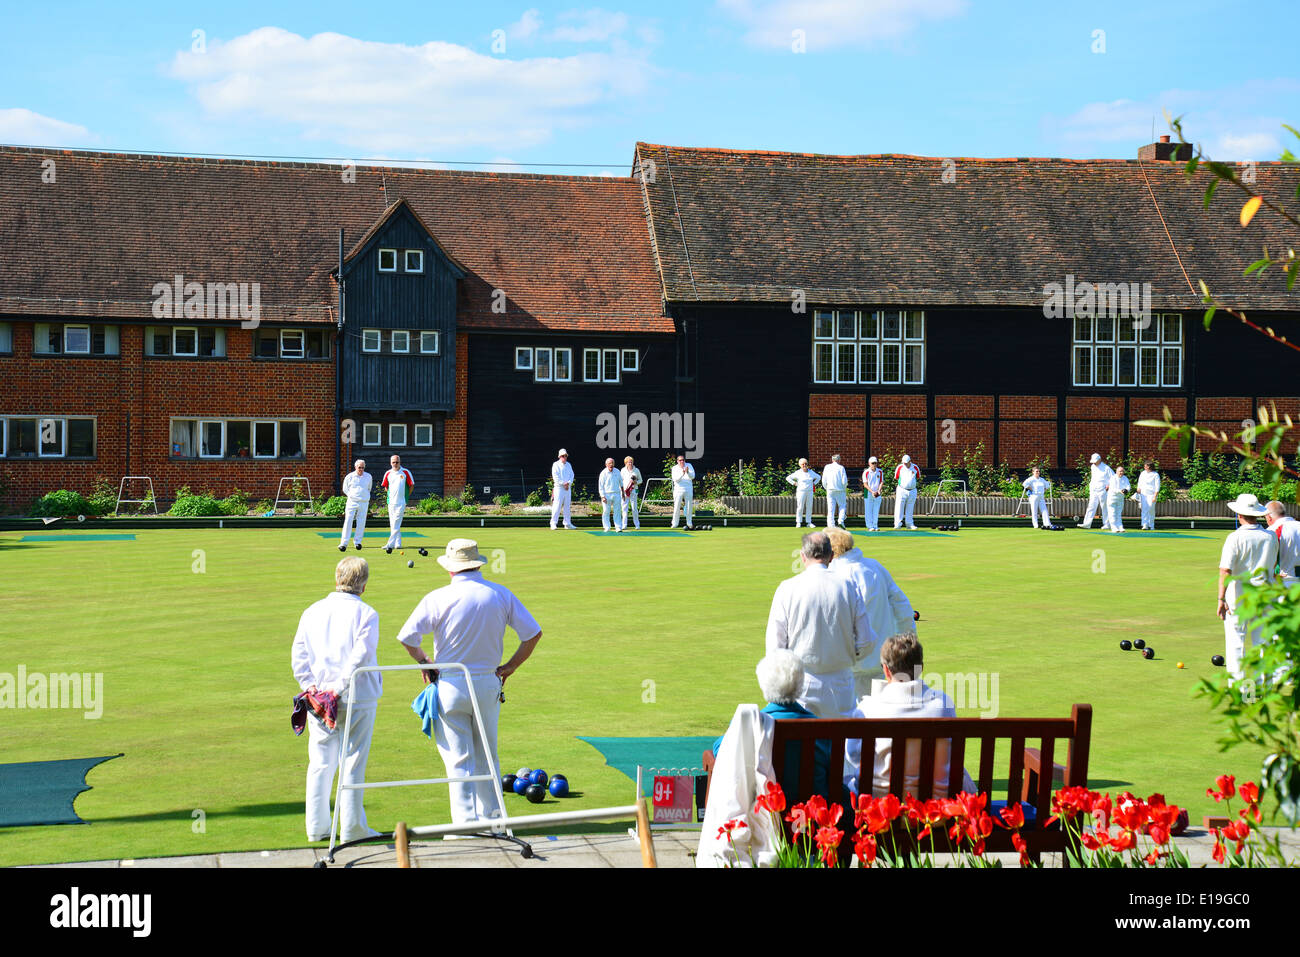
column 905, row 695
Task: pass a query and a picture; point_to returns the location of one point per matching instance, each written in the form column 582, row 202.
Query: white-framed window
column 47, row 437
column 80, row 438
column 223, row 438
column 869, row 346
column 563, row 371
column 631, row 360
column 185, row 341
column 590, row 365
column 401, row 340
column 542, row 367
column 429, row 342
column 212, row 438
column 397, row 435
column 523, row 359
column 1144, row 352
column 21, row 435
column 6, row 346
column 370, row 340
column 293, row 344
column 265, row 439
column 423, row 434
column 610, row 372
column 372, row 433
column 76, row 340
column 388, row 260
column 414, row 260
column 52, row 435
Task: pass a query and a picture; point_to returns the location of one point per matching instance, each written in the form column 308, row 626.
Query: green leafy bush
column 236, row 503
column 535, row 498
column 502, row 500
column 61, row 502
column 334, row 507
column 469, row 508
column 264, row 506
column 1208, row 490
column 103, row 497
column 467, row 496
column 190, row 505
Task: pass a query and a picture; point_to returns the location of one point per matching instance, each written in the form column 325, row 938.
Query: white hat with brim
column 461, row 556
column 1247, row 504
column 907, row 459
column 564, row 452
column 872, row 459
column 1095, row 458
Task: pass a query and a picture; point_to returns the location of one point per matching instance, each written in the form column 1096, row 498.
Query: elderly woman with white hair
column 336, row 636
column 804, row 481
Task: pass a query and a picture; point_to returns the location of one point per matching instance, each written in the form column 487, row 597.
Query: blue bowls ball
column 559, row 787
column 539, row 777
column 522, row 785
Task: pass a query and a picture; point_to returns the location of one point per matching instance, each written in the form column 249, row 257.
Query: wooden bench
column 1023, row 765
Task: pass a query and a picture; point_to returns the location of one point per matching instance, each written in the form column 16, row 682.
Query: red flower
column 730, row 826
column 798, row 818
column 1018, row 843
column 828, row 816
column 890, row 807
column 1094, row 842
column 1125, row 842
column 873, row 817
column 1227, row 787
column 864, row 846
column 828, row 843
column 1250, row 792
column 1070, row 802
column 1014, row 816
column 1131, row 815
column 1218, row 854
column 979, row 827
column 1153, row 858
column 772, row 799
column 978, row 849
column 1101, row 810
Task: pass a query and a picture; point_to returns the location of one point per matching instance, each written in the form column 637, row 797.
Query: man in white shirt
column 1148, row 489
column 630, row 476
column 609, row 485
column 399, row 483
column 468, row 620
column 561, row 489
column 835, row 480
column 905, row 695
column 906, row 477
column 683, row 490
column 356, row 488
column 888, row 610
column 1117, row 490
column 1249, row 552
column 804, row 481
column 335, row 637
column 1287, row 530
column 873, row 481
column 1097, row 485
column 822, row 618
column 1036, row 488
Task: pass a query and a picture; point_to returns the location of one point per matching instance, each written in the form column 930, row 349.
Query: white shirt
column 888, row 610
column 1116, row 486
column 903, row 699
column 905, row 476
column 803, row 481
column 1101, row 474
column 1287, row 532
column 1037, row 486
column 822, row 618
column 628, row 474
column 1149, row 484
column 396, row 481
column 1249, row 548
column 468, row 620
column 357, row 487
column 561, row 474
column 336, row 636
column 873, row 480
column 834, row 478
column 683, row 477
column 609, row 482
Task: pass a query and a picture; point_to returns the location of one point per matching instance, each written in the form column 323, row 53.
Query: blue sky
column 577, row 85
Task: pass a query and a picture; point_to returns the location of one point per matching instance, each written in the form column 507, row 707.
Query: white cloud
column 25, row 128
column 589, row 26
column 526, row 25
column 1247, row 146
column 394, row 97
column 835, row 23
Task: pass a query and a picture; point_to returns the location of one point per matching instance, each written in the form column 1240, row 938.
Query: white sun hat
column 563, row 452
column 1095, row 458
column 1247, row 504
column 462, row 556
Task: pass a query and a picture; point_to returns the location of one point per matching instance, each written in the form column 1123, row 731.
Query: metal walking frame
column 957, row 498
column 121, row 488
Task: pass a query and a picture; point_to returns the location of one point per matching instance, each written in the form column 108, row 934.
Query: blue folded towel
column 426, row 706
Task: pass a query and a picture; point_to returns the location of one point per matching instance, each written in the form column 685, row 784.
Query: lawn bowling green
column 191, row 630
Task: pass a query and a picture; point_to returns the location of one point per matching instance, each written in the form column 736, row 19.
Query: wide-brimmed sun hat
column 461, row 556
column 1247, row 504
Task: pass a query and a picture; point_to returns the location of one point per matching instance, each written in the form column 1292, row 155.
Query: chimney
column 1164, row 150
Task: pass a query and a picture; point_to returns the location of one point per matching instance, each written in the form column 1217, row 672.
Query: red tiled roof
column 571, row 253
column 751, row 226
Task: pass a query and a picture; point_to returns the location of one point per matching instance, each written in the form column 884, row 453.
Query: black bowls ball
column 1216, row 660
column 536, row 793
column 507, row 783
column 1126, row 645
column 1139, row 643
column 1149, row 653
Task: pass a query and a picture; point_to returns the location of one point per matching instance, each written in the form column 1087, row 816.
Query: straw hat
column 462, row 556
column 1247, row 504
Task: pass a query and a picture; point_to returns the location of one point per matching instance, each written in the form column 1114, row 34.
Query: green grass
column 197, row 683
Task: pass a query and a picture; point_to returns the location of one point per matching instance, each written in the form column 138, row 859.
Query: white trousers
column 325, row 752
column 904, row 502
column 632, row 507
column 461, row 745
column 355, row 510
column 560, row 502
column 1235, row 632
column 803, row 504
column 1096, row 504
column 837, row 508
column 1037, row 506
column 680, row 495
column 871, row 506
column 1115, row 514
column 829, row 695
column 1148, row 513
column 395, row 515
column 611, row 511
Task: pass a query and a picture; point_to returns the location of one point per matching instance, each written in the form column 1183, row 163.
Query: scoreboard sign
column 673, row 798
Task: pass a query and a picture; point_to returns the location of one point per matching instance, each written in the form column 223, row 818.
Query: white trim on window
column 430, row 335
column 610, row 372
column 587, row 370
column 67, row 340
column 6, row 347
column 391, row 256
column 523, row 359
column 542, row 365
column 275, row 438
column 221, row 451
column 405, row 340
column 631, row 361
column 424, row 434
column 564, row 364
column 176, row 348
column 372, row 340
column 289, row 352
column 44, row 424
column 419, row 261
column 369, row 438
column 868, row 346
column 1128, row 353
column 397, row 434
